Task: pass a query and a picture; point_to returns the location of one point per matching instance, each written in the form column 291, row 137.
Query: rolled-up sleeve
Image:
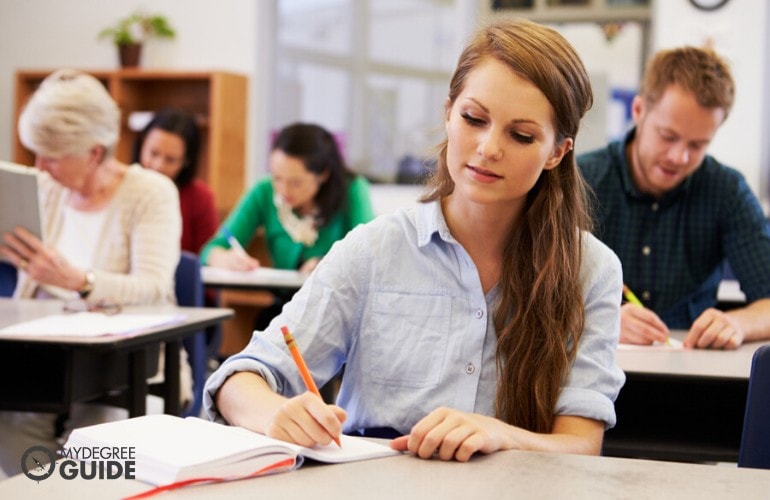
column 595, row 379
column 322, row 315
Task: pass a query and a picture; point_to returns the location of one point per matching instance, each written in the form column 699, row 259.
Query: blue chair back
column 755, row 441
column 189, row 293
column 7, row 279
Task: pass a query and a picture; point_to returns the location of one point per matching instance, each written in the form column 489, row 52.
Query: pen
column 233, row 242
column 303, row 371
column 629, row 295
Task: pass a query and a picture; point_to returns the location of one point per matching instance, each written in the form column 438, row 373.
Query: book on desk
column 171, row 450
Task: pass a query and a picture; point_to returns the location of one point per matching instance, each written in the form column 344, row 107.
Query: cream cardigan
column 138, row 248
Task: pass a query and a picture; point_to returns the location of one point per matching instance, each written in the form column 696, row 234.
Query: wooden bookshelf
column 217, row 98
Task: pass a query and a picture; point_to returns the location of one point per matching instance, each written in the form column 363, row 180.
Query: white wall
column 739, row 33
column 231, row 35
column 47, row 34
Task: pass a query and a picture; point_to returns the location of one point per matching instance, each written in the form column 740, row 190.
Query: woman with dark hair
column 309, row 201
column 485, row 318
column 169, row 144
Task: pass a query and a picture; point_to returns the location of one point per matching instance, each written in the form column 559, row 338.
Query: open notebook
column 179, row 451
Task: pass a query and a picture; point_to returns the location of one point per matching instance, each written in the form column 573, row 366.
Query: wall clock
column 708, row 4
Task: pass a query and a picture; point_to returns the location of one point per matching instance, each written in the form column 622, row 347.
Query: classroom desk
column 259, row 279
column 247, row 292
column 50, row 373
column 505, row 474
column 685, row 405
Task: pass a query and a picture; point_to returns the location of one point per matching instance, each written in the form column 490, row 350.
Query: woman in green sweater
column 309, row 201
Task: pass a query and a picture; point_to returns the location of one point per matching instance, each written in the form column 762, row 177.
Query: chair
column 755, row 441
column 7, row 279
column 189, row 293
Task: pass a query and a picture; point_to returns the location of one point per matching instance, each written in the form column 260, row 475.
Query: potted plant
column 129, row 33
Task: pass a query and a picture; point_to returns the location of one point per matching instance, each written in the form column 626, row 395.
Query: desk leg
column 137, row 390
column 171, row 378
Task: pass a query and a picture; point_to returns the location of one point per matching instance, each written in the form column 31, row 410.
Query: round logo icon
column 37, row 463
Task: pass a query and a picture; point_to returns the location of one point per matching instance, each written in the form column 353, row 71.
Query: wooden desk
column 683, row 405
column 50, row 373
column 506, row 474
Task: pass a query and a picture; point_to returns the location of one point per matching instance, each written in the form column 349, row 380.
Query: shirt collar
column 429, row 219
column 625, row 173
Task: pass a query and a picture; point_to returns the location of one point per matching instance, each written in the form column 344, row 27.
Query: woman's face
column 71, row 170
column 500, row 137
column 293, row 182
column 163, row 152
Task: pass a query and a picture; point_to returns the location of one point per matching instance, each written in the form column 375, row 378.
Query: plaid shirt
column 672, row 248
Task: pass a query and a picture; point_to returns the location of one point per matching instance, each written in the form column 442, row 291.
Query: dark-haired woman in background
column 169, row 144
column 309, row 201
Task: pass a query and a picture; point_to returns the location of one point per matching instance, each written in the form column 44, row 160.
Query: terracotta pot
column 130, row 54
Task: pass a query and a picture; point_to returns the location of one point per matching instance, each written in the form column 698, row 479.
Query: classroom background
column 251, row 38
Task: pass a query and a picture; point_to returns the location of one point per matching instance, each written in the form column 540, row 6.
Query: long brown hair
column 540, row 315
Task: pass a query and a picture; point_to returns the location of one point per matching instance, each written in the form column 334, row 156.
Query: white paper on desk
column 90, row 324
column 673, row 345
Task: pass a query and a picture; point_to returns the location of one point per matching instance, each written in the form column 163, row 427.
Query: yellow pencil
column 303, row 370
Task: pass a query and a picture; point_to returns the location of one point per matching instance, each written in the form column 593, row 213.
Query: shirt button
column 655, row 206
column 479, row 313
column 646, row 250
column 646, row 295
column 470, row 369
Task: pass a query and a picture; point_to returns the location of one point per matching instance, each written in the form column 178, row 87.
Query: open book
column 172, row 450
column 19, row 199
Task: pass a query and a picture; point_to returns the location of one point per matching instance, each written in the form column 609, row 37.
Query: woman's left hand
column 41, row 263
column 452, row 434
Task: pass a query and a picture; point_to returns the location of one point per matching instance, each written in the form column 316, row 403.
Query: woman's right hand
column 306, row 420
column 246, row 400
column 232, row 259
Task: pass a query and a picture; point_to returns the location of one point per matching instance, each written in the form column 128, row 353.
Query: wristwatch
column 88, row 286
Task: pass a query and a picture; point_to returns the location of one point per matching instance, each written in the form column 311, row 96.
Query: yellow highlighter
column 629, row 295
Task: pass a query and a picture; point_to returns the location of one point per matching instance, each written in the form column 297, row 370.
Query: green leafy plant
column 137, row 28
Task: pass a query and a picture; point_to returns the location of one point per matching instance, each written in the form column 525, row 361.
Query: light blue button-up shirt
column 399, row 302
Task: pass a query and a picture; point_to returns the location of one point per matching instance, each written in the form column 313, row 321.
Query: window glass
column 415, row 33
column 318, row 25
